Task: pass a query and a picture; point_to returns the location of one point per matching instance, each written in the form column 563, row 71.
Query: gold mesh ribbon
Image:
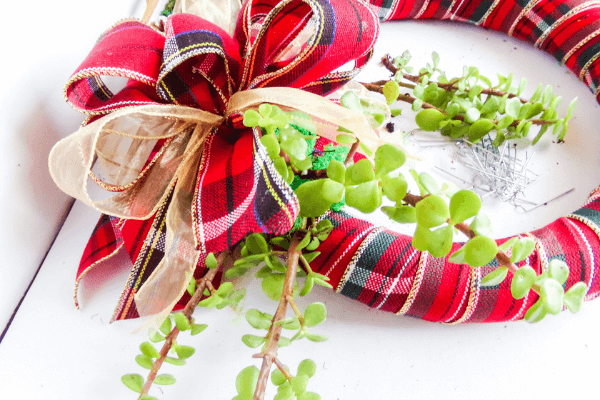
column 119, row 153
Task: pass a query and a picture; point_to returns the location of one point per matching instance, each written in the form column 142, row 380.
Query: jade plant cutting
column 436, row 214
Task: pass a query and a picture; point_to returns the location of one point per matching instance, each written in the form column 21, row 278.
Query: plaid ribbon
column 197, row 64
column 379, row 267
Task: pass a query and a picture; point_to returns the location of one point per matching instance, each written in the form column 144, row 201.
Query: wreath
column 208, row 157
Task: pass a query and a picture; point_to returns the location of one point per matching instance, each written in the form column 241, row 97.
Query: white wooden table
column 52, row 351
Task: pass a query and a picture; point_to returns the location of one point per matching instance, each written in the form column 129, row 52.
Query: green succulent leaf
column 149, row 350
column 307, row 367
column 388, row 158
column 211, row 261
column 251, row 118
column 432, row 211
column 257, row 244
column 272, row 285
column 480, row 251
column 144, row 361
column 253, row 341
column 536, row 312
column 464, row 205
column 166, row 326
column 258, row 320
column 395, row 188
column 481, row 225
column 429, row 119
column 134, row 382
column 246, row 380
column 184, row 352
column 315, row 338
column 391, row 91
column 156, row 337
column 332, row 191
column 508, row 244
column 336, row 171
column 365, row 197
column 175, row 361
column 277, row 377
column 315, row 314
column 181, row 322
column 299, row 383
column 558, row 270
column 165, row 379
column 351, row 100
column 552, row 295
column 521, row 249
column 312, row 202
column 402, row 214
column 271, row 144
column 440, row 242
column 522, row 281
column 421, row 238
column 513, row 106
column 429, row 183
column 574, row 297
column 458, row 257
column 495, row 277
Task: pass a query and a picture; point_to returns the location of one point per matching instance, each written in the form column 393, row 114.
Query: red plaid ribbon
column 379, row 267
column 197, row 64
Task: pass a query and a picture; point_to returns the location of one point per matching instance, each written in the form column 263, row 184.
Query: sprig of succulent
column 153, row 359
column 470, row 106
column 280, row 262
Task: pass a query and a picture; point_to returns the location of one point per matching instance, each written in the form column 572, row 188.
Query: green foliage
column 294, row 387
column 211, row 261
column 134, row 382
column 495, row 277
column 181, row 322
column 315, row 314
column 391, row 91
column 574, row 297
column 480, row 251
column 521, row 249
column 144, row 361
column 245, row 383
column 430, row 119
column 522, row 281
column 164, row 379
column 470, row 106
column 184, row 352
column 432, row 211
column 464, row 205
column 258, row 320
column 388, row 158
column 149, row 350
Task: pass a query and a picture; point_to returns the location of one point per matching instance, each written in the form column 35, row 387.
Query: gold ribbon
column 116, row 153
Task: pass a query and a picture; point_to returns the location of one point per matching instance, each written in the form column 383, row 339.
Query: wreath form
column 383, row 271
column 379, row 267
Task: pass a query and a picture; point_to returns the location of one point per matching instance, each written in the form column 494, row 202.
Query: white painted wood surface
column 52, row 351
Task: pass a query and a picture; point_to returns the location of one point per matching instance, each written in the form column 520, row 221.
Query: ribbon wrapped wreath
column 180, row 194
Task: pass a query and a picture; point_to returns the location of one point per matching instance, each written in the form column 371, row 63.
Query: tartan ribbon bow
column 173, row 134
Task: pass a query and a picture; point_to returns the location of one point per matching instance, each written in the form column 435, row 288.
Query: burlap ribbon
column 140, row 155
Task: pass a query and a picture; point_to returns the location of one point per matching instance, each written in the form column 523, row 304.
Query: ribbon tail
column 165, row 286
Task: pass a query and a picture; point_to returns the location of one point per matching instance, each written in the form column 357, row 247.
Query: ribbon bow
column 172, row 137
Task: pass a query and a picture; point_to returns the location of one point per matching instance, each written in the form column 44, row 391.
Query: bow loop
column 201, row 64
column 129, row 49
column 300, row 43
column 135, row 154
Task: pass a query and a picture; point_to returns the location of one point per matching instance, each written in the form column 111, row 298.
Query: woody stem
column 201, row 284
